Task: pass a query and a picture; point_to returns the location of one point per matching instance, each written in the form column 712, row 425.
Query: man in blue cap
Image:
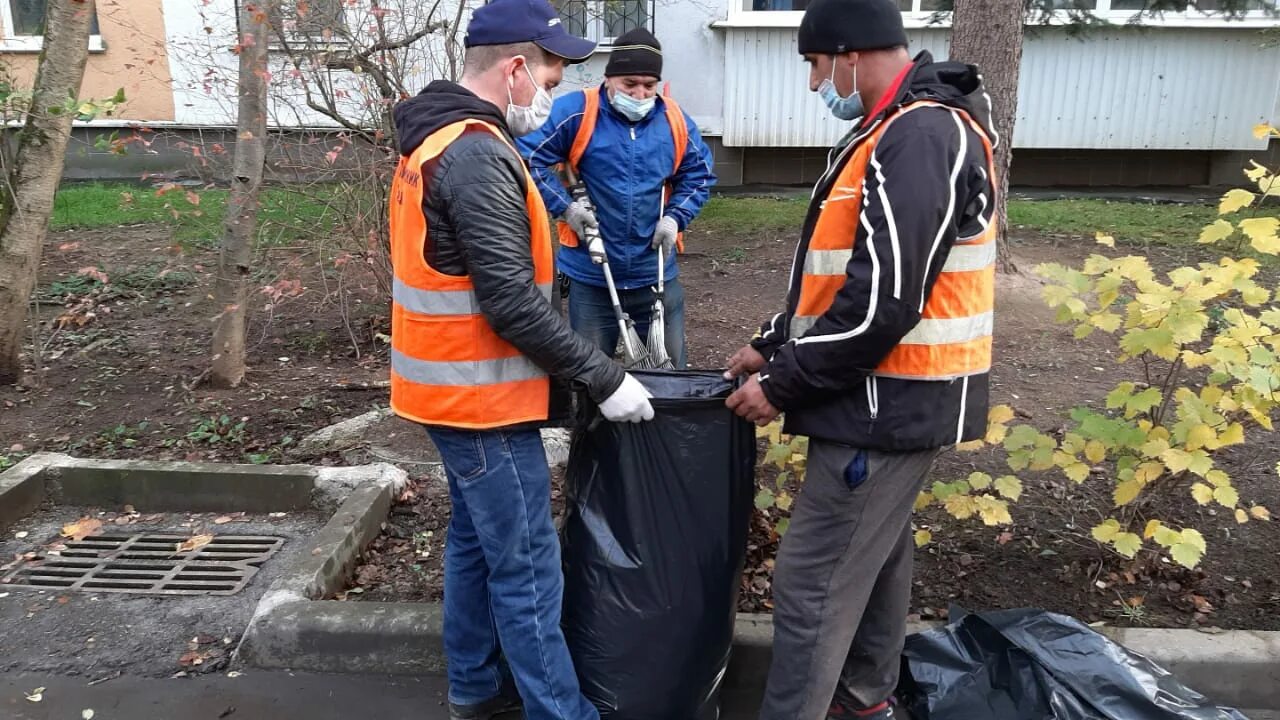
column 475, row 346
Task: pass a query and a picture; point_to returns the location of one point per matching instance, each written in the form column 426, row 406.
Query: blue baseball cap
column 506, row 22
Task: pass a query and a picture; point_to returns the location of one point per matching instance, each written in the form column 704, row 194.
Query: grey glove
column 665, row 236
column 580, row 217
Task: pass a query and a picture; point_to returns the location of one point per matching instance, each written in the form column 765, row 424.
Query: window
column 303, row 23
column 311, row 20
column 604, row 20
column 23, row 30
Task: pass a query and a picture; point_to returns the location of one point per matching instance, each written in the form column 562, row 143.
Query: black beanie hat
column 636, row 52
column 831, row 27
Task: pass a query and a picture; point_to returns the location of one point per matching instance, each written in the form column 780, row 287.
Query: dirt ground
column 120, row 384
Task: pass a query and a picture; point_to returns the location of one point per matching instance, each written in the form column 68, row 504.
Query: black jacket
column 827, row 388
column 478, row 225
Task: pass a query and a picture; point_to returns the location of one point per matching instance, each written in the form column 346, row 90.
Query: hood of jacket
column 441, row 103
column 950, row 83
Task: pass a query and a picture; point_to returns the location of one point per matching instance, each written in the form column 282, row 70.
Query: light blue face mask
column 843, row 108
column 631, row 108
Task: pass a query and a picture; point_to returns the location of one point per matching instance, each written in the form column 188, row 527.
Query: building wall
column 1119, row 88
column 133, row 58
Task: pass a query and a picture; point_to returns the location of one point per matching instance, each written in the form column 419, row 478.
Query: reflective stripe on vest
column 448, row 366
column 953, row 337
column 448, row 302
column 590, row 113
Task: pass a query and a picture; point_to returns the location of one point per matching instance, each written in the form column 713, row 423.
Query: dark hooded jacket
column 478, row 225
column 931, row 176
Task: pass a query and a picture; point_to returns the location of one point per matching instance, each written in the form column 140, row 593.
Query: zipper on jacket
column 873, row 396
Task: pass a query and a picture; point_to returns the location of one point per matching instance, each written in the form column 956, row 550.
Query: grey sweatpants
column 842, row 584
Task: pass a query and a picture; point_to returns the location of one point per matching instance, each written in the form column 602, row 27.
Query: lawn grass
column 288, row 215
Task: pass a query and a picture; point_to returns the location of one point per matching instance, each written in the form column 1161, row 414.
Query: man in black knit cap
column 648, row 174
column 882, row 355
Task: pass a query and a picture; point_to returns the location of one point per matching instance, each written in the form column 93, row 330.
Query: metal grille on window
column 604, row 20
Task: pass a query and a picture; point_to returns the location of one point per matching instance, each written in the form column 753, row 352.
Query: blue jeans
column 502, row 577
column 591, row 316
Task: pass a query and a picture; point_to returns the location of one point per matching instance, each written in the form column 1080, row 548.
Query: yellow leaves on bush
column 1235, row 200
column 961, row 507
column 979, row 481
column 1127, row 544
column 923, row 500
column 1127, row 491
column 1201, row 436
column 1203, row 494
column 1226, row 496
column 1009, row 487
column 1217, row 231
column 993, row 511
column 1263, row 234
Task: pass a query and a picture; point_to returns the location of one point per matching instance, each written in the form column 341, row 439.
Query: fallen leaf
column 21, row 535
column 234, row 674
column 194, row 543
column 87, row 714
column 129, row 509
column 1004, row 538
column 222, row 520
column 36, row 695
column 81, row 529
column 191, row 659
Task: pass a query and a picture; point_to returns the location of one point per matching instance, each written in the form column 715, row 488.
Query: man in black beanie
column 882, row 355
column 647, row 172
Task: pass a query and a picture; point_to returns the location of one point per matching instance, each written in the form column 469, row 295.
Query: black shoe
column 507, row 701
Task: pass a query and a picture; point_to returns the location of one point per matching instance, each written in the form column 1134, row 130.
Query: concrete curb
column 282, row 627
column 153, row 486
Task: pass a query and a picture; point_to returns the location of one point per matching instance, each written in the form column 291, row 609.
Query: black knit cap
column 636, row 52
column 831, row 27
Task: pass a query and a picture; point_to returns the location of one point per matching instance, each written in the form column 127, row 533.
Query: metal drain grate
column 150, row 564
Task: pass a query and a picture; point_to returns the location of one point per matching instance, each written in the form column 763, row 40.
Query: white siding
column 1119, row 88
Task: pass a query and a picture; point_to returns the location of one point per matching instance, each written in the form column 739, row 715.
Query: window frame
column 740, row 16
column 11, row 42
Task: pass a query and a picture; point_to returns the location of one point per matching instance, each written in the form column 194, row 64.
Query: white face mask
column 524, row 119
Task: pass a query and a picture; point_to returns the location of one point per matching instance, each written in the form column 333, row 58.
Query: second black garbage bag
column 654, row 544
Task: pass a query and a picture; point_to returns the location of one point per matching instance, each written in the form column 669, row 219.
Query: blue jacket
column 624, row 168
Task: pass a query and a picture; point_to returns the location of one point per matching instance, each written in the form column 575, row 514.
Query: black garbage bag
column 654, row 545
column 1036, row 665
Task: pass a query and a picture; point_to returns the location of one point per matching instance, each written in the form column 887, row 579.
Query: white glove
column 629, row 403
column 665, row 235
column 580, row 217
column 596, row 249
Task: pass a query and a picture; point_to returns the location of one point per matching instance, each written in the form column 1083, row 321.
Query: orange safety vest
column 953, row 337
column 591, row 111
column 448, row 365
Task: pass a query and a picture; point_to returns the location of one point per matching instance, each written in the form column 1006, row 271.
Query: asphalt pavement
column 251, row 695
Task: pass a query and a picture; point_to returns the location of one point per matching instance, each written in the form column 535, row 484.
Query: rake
column 634, row 354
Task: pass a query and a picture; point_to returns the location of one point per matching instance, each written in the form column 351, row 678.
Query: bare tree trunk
column 26, row 201
column 988, row 33
column 235, row 260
